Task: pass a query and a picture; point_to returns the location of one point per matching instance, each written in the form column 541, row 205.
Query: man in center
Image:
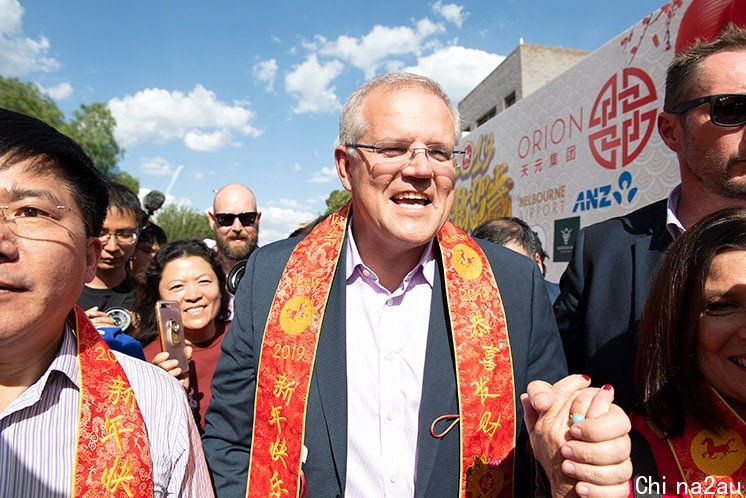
column 373, row 358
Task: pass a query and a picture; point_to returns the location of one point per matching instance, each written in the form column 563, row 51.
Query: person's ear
column 92, row 254
column 539, row 262
column 211, row 220
column 343, row 162
column 671, row 131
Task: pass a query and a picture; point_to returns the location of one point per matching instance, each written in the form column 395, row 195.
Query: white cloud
column 265, row 72
column 11, row 13
column 310, row 84
column 457, row 69
column 451, row 12
column 324, row 175
column 297, row 167
column 57, row 92
column 372, row 50
column 207, row 142
column 197, row 118
column 157, row 166
column 20, row 55
column 289, row 203
column 279, row 222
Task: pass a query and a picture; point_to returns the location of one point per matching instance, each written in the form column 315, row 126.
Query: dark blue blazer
column 535, row 346
column 603, row 291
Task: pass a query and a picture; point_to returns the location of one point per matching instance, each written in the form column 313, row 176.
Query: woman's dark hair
column 151, row 234
column 667, row 368
column 146, row 291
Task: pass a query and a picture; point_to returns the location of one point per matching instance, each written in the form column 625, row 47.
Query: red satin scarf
column 484, row 368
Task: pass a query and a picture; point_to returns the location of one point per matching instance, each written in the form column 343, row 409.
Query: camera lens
column 121, row 317
column 235, row 276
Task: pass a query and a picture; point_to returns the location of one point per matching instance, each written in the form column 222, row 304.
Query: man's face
column 714, row 156
column 235, row 241
column 44, row 261
column 401, row 207
column 115, row 253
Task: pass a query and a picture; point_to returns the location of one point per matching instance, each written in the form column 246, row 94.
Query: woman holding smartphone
column 188, row 272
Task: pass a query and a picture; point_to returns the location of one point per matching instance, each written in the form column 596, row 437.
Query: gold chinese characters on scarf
column 484, row 373
column 112, row 457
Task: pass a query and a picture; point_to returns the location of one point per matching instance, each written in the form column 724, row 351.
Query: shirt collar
column 66, row 361
column 673, row 225
column 353, row 261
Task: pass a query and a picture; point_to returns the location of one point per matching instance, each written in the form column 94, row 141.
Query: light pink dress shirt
column 386, row 341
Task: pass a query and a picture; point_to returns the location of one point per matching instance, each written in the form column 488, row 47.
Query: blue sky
column 207, row 93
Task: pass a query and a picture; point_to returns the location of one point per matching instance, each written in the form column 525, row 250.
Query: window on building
column 509, row 100
column 487, row 116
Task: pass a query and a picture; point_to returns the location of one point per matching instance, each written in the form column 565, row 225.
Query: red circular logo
column 466, row 162
column 622, row 118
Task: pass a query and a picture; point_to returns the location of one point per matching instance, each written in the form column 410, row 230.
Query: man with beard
column 605, row 286
column 235, row 221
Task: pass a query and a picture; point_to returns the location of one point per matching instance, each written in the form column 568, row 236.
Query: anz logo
column 604, row 196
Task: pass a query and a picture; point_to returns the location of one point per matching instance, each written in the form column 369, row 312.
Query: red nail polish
column 586, row 377
column 606, row 387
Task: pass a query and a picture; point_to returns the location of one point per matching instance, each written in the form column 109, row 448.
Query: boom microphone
column 153, row 201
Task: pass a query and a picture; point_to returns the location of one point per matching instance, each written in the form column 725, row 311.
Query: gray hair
column 352, row 124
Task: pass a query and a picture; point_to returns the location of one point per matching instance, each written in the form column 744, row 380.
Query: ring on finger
column 576, row 417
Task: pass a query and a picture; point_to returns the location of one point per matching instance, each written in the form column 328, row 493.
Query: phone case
column 171, row 331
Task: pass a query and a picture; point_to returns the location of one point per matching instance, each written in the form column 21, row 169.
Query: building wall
column 523, row 71
column 542, row 64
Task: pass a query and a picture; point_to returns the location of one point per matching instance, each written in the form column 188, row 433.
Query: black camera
column 235, row 276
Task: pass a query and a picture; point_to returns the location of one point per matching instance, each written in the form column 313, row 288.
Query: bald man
column 235, row 221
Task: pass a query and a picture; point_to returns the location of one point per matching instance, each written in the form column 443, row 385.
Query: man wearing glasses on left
column 76, row 419
column 111, row 287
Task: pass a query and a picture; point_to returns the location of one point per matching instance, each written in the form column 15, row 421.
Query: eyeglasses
column 227, row 219
column 123, row 238
column 728, row 109
column 401, row 153
column 36, row 220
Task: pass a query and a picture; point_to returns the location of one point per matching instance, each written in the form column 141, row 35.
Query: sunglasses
column 227, row 219
column 728, row 109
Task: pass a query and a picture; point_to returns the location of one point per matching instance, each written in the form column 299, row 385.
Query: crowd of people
column 380, row 350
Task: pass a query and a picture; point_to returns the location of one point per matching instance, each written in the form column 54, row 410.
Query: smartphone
column 171, row 331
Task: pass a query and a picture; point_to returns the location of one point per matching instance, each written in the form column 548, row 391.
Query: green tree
column 127, row 180
column 92, row 126
column 336, row 200
column 182, row 222
column 27, row 99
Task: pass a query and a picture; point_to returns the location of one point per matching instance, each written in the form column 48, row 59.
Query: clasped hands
column 579, row 437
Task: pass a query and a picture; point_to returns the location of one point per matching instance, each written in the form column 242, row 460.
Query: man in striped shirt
column 76, row 419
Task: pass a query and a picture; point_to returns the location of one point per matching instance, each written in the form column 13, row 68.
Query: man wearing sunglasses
column 605, row 286
column 235, row 221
